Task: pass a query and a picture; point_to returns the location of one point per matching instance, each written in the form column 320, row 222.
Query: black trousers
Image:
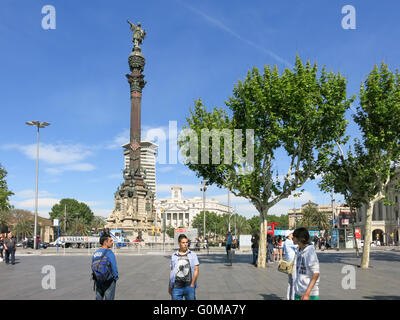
column 12, row 252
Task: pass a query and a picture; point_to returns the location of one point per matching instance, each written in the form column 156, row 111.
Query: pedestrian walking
column 228, row 247
column 307, row 267
column 254, row 246
column 10, row 244
column 184, row 272
column 289, row 254
column 1, row 247
column 104, row 269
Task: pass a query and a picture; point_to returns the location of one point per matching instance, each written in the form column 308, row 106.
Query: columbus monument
column 134, row 210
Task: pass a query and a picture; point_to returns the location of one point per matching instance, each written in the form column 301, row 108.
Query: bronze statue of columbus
column 138, row 33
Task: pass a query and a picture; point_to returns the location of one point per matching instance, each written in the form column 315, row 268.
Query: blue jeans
column 188, row 292
column 106, row 291
column 255, row 255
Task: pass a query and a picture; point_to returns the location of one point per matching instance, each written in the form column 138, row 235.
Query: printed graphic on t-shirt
column 301, row 265
column 183, row 277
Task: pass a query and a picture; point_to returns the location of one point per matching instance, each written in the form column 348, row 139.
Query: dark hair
column 104, row 237
column 182, row 236
column 302, row 235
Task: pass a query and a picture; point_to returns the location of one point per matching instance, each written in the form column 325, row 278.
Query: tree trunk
column 367, row 237
column 262, row 245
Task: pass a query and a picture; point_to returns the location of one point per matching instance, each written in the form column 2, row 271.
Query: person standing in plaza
column 1, row 246
column 184, row 272
column 289, row 254
column 10, row 244
column 254, row 247
column 105, row 270
column 228, row 245
column 307, row 267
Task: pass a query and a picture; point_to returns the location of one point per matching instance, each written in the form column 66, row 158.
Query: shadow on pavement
column 222, row 259
column 383, row 297
column 270, row 297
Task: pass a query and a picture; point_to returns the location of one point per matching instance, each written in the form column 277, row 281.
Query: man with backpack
column 104, row 269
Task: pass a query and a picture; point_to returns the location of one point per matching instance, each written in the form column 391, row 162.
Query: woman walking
column 307, row 267
column 289, row 251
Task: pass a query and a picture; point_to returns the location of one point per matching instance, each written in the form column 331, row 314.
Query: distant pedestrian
column 254, row 246
column 104, row 268
column 184, row 272
column 10, row 244
column 279, row 244
column 307, row 267
column 1, row 247
column 289, row 251
column 228, row 246
column 270, row 250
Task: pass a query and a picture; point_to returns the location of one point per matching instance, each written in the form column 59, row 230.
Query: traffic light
column 158, row 230
column 153, row 229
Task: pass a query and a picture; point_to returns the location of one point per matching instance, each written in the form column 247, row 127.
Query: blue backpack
column 101, row 268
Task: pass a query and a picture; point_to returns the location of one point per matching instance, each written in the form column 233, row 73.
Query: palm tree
column 97, row 224
column 312, row 217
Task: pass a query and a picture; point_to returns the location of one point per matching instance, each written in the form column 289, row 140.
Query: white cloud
column 72, row 167
column 30, row 203
column 102, row 212
column 53, row 154
column 24, row 194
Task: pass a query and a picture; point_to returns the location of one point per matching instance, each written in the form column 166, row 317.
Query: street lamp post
column 38, row 125
column 204, row 207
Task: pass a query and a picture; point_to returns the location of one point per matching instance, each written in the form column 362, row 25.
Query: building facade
column 180, row 211
column 385, row 221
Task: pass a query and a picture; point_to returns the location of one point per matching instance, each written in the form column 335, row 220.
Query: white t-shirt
column 306, row 265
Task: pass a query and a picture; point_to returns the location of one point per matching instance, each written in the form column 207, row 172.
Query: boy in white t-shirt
column 307, row 267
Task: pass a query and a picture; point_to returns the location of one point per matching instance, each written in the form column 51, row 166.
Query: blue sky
column 74, row 78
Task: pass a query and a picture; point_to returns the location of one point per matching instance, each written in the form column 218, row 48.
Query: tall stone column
column 136, row 80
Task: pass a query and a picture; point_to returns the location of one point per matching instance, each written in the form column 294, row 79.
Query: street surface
column 145, row 275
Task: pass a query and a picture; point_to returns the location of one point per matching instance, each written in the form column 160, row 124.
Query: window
column 380, row 211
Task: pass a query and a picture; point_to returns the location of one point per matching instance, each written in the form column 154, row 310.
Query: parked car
column 42, row 244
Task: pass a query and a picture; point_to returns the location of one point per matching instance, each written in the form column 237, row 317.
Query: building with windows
column 148, row 151
column 180, row 211
column 296, row 214
column 385, row 221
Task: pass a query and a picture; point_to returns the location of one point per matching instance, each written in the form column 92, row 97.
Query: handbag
column 285, row 266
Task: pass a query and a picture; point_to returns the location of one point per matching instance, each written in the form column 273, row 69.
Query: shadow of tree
column 382, row 297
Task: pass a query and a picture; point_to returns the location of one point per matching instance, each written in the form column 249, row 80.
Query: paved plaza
column 145, row 277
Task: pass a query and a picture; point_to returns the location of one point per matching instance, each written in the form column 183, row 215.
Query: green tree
column 296, row 113
column 239, row 225
column 77, row 213
column 98, row 223
column 313, row 218
column 170, row 231
column 4, row 192
column 23, row 222
column 212, row 220
column 254, row 223
column 368, row 174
